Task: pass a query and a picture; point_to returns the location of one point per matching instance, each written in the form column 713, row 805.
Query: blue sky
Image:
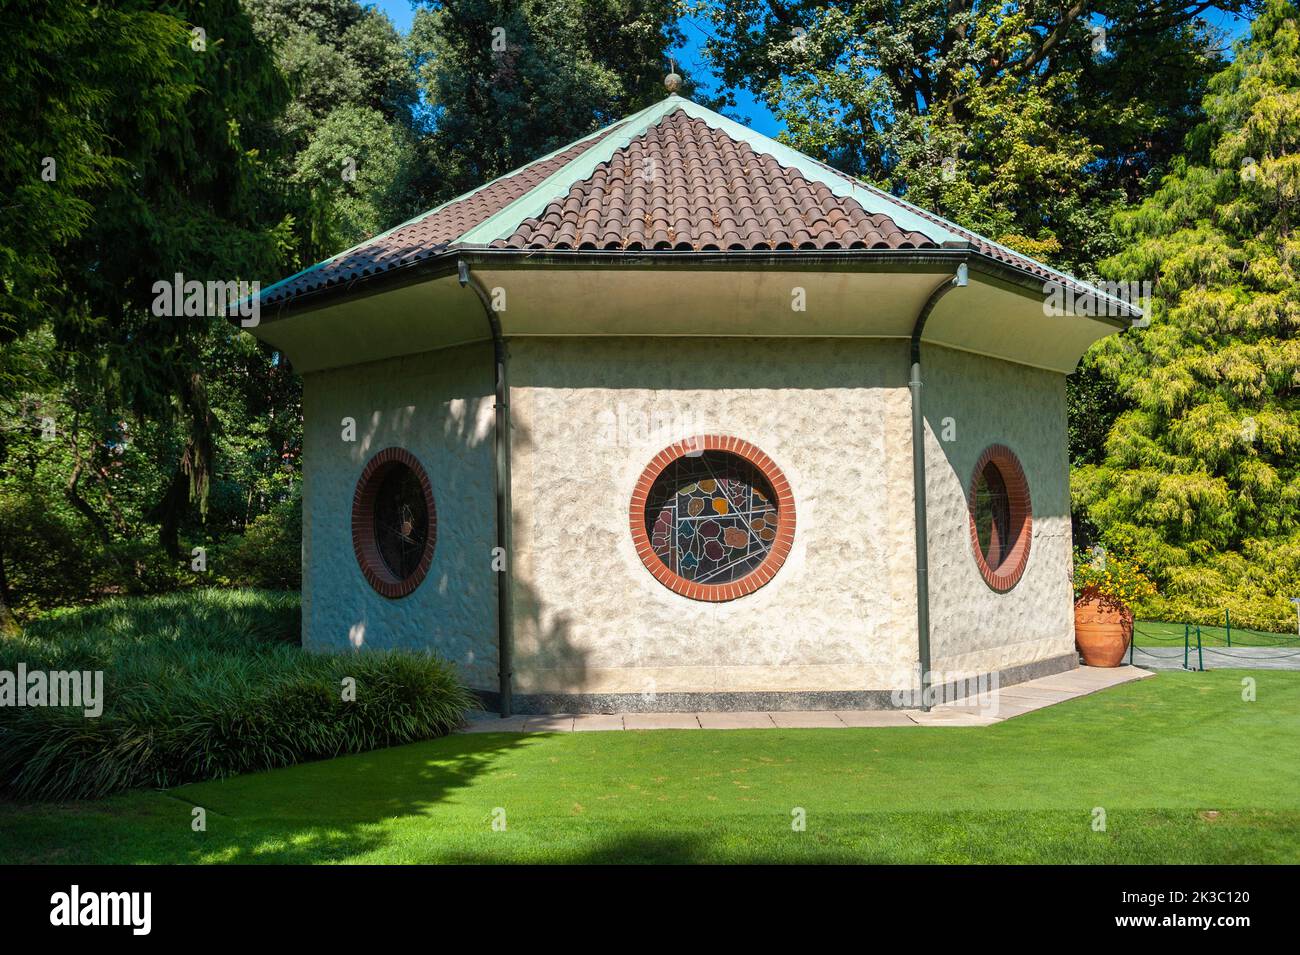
column 748, row 110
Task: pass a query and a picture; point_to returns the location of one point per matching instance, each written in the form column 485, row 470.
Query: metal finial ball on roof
column 672, row 82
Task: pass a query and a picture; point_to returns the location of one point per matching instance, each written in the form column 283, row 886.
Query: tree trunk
column 83, row 507
column 191, row 478
column 169, row 511
column 8, row 623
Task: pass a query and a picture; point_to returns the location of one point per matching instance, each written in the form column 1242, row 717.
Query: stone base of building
column 772, row 701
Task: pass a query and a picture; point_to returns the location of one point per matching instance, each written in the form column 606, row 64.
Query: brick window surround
column 1006, row 574
column 364, row 542
column 781, row 545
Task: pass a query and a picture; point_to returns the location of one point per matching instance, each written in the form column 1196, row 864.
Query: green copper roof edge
column 464, row 195
column 505, row 221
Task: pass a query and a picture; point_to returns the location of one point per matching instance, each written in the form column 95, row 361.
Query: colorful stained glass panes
column 993, row 516
column 401, row 520
column 712, row 517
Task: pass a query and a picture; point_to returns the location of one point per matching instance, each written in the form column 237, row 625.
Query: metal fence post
column 1227, row 622
column 1200, row 658
column 1187, row 638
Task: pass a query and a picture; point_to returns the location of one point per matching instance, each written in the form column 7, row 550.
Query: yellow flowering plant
column 1110, row 579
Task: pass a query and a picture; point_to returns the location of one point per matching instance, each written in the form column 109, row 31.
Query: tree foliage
column 349, row 133
column 1016, row 120
column 507, row 81
column 66, row 75
column 152, row 119
column 1201, row 477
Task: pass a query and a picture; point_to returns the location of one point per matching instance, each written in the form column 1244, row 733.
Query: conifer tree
column 1200, row 479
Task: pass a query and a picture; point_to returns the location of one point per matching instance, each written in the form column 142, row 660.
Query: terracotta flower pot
column 1102, row 631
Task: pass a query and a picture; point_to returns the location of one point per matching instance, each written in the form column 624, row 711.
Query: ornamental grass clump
column 208, row 684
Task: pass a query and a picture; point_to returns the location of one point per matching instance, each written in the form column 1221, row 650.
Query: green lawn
column 1185, row 770
column 1150, row 633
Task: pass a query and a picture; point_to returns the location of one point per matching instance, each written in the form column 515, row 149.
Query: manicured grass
column 1185, row 770
column 1150, row 633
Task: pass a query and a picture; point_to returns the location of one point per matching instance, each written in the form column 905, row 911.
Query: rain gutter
column 501, row 475
column 958, row 280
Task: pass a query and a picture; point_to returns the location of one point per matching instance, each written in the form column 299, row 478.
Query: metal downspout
column 918, row 483
column 505, row 613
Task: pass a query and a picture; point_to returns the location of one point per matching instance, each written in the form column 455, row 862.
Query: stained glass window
column 394, row 522
column 401, row 520
column 1001, row 517
column 711, row 517
column 993, row 516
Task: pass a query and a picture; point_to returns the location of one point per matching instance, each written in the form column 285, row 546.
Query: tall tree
column 201, row 202
column 68, row 69
column 1019, row 120
column 151, row 115
column 349, row 134
column 1201, row 478
column 507, row 81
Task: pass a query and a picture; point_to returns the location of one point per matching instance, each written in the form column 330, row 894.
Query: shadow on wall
column 438, row 406
column 543, row 641
column 972, row 402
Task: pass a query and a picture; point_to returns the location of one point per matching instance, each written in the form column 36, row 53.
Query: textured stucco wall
column 590, row 414
column 974, row 628
column 438, row 406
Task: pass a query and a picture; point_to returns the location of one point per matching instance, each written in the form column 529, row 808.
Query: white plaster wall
column 438, row 406
column 588, row 416
column 590, row 413
column 974, row 628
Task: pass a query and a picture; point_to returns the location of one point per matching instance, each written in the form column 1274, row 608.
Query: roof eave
column 444, row 262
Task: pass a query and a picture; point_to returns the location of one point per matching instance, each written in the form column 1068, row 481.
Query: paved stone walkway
column 1007, row 703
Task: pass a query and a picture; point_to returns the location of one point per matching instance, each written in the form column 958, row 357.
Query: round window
column 713, row 518
column 394, row 524
column 1000, row 518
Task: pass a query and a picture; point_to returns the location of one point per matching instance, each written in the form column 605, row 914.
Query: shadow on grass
column 1154, row 754
column 330, row 810
column 340, row 808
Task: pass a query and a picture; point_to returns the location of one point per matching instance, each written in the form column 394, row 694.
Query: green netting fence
column 1195, row 639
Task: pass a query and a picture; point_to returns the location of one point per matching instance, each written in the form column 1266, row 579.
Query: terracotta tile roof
column 683, row 185
column 674, row 177
column 427, row 234
column 986, row 246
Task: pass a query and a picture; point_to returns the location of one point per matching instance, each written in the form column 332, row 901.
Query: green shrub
column 269, row 554
column 204, row 685
column 47, row 558
column 53, row 559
